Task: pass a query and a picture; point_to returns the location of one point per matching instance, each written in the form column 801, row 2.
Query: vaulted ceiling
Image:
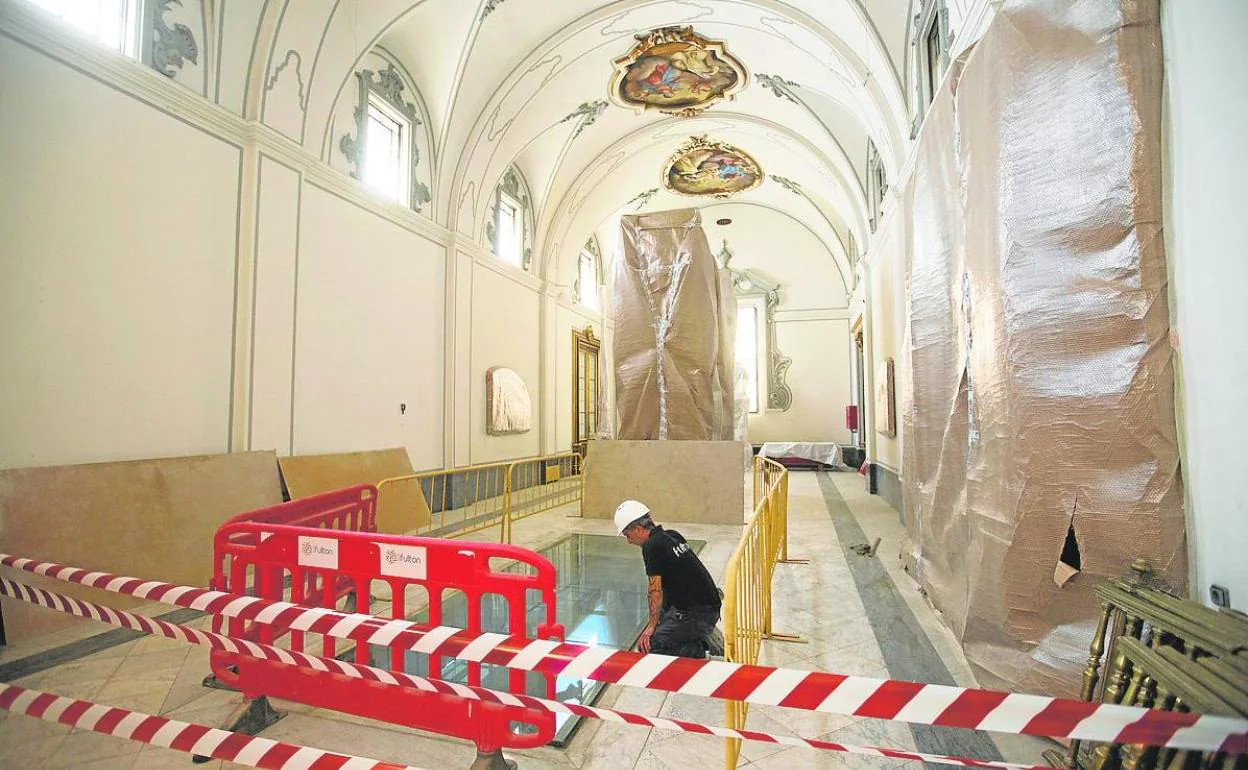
column 521, row 82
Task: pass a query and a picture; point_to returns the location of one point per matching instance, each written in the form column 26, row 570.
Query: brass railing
column 747, row 583
column 1167, row 653
column 464, row 501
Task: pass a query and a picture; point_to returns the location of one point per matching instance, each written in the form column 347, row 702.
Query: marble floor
column 834, row 604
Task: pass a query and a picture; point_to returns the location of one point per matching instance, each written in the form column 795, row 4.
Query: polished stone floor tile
column 818, row 601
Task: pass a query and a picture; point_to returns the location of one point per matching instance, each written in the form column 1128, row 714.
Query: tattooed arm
column 655, row 598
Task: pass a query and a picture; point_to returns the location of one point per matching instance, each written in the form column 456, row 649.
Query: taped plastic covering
column 1040, row 444
column 741, row 411
column 669, row 332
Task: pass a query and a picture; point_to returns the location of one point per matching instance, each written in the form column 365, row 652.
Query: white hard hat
column 628, row 512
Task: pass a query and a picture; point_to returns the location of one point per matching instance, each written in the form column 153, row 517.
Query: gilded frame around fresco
column 698, row 51
column 696, row 143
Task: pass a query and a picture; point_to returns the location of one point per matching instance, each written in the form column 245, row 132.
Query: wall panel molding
column 25, row 24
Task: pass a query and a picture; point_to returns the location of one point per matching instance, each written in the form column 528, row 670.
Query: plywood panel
column 146, row 518
column 400, row 508
column 681, row 481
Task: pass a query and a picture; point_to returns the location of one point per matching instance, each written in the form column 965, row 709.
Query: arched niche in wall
column 755, row 289
column 510, row 224
column 389, row 146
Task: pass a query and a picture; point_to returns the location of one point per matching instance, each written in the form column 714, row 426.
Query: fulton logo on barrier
column 402, row 561
column 318, row 552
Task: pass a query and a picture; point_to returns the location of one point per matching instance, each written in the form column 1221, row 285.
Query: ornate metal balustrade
column 1155, row 650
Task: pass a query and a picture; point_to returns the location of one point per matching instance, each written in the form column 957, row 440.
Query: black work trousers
column 683, row 632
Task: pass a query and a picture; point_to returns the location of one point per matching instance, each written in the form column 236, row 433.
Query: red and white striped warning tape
column 123, row 619
column 913, row 702
column 180, row 736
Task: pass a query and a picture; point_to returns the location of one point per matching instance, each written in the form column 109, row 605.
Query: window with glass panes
column 585, row 384
column 112, row 23
column 385, row 151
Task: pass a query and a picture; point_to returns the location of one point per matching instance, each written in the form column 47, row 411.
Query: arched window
column 931, row 42
column 588, row 275
column 389, row 136
column 877, row 184
column 510, row 226
column 112, row 23
column 135, row 28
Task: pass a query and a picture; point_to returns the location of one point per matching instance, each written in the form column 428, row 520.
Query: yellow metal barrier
column 747, row 583
column 541, row 484
column 447, row 503
column 463, row 501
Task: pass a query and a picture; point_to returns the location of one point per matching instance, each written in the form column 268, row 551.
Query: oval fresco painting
column 703, row 167
column 676, row 71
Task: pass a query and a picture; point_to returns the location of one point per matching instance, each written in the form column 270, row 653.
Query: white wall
column 504, row 333
column 812, row 320
column 886, row 333
column 1203, row 45
column 821, row 387
column 277, row 265
column 117, row 260
column 368, row 334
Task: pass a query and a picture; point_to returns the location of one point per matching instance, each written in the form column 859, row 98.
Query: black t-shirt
column 686, row 583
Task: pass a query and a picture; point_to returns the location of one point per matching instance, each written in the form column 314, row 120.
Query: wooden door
column 585, row 384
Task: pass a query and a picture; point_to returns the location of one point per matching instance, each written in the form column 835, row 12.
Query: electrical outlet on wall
column 1220, row 596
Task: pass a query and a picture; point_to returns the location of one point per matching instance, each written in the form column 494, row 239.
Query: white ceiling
column 499, row 77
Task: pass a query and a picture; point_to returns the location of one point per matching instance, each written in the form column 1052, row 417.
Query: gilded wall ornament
column 677, row 72
column 706, row 168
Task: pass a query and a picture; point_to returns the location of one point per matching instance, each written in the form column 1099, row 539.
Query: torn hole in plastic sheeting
column 1071, row 561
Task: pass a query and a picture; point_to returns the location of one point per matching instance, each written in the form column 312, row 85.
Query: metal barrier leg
column 251, row 717
column 493, row 760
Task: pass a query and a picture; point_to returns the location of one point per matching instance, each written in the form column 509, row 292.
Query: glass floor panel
column 600, row 600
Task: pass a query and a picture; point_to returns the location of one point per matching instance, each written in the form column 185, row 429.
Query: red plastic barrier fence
column 260, row 554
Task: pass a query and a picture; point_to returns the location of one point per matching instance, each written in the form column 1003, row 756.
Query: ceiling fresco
column 707, row 168
column 676, row 71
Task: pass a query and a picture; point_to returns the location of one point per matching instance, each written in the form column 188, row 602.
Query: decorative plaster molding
column 22, row 21
column 389, row 86
column 277, row 71
column 779, row 395
column 585, row 115
column 514, row 185
column 780, row 88
column 490, row 7
column 788, row 184
column 643, row 198
column 813, row 314
column 496, row 265
column 170, row 45
column 751, row 283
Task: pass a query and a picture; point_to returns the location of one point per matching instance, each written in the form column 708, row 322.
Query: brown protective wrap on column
column 668, row 319
column 1041, row 378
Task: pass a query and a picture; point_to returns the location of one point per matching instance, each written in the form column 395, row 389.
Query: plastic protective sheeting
column 673, row 358
column 741, row 412
column 1041, row 453
column 818, row 451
